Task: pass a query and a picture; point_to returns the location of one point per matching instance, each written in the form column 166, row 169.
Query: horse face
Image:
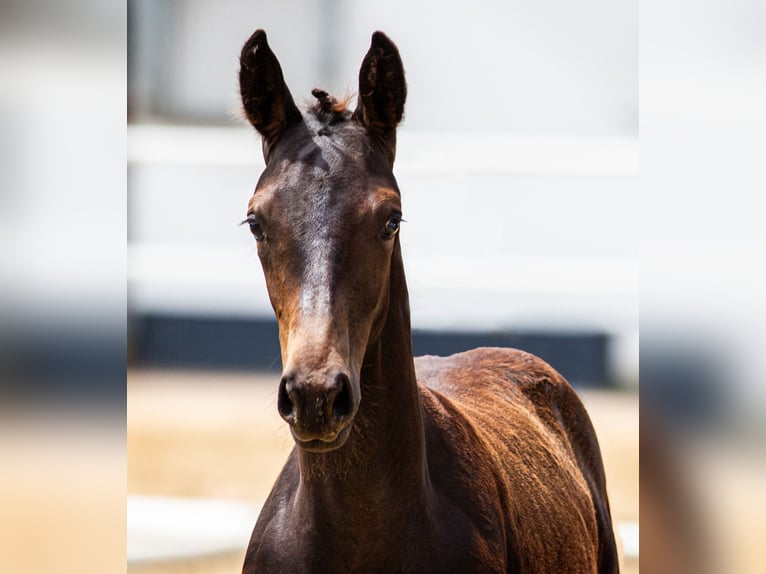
column 325, row 240
column 326, row 214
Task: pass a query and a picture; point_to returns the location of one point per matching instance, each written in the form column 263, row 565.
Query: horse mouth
column 325, row 444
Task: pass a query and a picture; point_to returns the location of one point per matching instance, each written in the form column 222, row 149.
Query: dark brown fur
column 485, row 461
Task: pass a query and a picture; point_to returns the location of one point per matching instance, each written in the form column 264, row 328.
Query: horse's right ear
column 265, row 97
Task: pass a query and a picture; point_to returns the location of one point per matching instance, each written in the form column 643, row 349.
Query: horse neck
column 384, row 457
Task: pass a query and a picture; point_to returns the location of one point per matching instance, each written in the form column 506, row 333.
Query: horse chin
column 320, row 445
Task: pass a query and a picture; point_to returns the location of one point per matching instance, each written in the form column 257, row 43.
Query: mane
column 328, row 109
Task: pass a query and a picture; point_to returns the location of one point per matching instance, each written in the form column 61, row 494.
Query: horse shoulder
column 517, row 425
column 273, row 546
column 504, row 381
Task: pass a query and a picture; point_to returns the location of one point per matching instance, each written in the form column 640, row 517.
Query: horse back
column 530, row 445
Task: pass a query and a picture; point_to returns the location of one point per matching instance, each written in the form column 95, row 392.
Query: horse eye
column 392, row 226
column 255, row 227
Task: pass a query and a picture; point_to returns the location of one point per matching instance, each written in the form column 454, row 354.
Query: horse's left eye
column 392, row 226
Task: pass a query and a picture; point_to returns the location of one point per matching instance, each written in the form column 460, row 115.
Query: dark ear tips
column 250, row 50
column 266, row 99
column 259, row 36
column 380, row 40
column 382, row 87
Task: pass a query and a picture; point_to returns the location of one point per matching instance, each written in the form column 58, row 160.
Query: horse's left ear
column 382, row 90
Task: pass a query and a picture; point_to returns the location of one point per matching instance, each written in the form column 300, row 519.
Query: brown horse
column 485, row 461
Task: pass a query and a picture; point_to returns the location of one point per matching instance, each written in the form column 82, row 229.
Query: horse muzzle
column 319, row 407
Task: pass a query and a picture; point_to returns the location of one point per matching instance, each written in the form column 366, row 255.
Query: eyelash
column 392, row 226
column 255, row 227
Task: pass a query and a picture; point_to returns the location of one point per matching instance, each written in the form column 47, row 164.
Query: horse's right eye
column 255, row 227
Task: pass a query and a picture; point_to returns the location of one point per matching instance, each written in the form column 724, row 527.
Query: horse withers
column 485, row 461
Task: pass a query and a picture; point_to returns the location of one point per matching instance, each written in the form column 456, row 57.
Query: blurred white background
column 532, row 107
column 518, row 163
column 517, row 159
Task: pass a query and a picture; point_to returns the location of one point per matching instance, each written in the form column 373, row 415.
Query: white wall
column 518, row 157
column 544, row 67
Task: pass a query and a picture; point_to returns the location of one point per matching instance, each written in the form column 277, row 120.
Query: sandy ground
column 212, row 434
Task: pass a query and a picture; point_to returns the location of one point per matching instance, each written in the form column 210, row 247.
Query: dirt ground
column 212, row 434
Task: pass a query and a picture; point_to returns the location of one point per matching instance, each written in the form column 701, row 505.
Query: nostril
column 285, row 404
column 343, row 403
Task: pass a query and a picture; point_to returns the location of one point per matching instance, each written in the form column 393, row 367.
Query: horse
column 484, row 461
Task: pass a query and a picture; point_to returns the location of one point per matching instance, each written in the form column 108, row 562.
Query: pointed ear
column 265, row 97
column 382, row 89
